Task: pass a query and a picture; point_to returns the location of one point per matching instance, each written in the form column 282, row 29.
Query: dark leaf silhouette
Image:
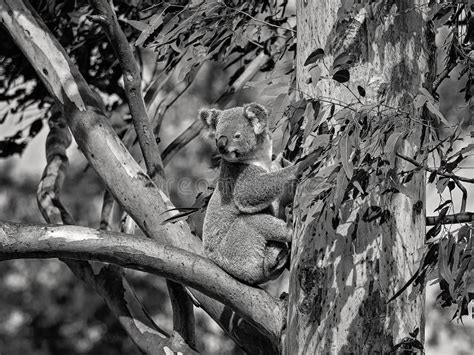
column 36, row 127
column 314, row 56
column 10, row 147
column 341, row 76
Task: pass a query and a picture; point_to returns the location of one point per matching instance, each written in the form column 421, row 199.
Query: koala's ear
column 257, row 114
column 209, row 119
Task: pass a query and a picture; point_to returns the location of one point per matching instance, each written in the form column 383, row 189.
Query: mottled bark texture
column 341, row 278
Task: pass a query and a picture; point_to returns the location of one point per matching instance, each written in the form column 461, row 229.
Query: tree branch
column 183, row 322
column 139, row 253
column 465, row 217
column 130, row 187
column 163, row 99
column 443, row 75
column 433, row 170
column 109, row 282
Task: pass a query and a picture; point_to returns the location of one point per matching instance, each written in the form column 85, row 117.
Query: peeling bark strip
column 134, row 190
column 342, row 277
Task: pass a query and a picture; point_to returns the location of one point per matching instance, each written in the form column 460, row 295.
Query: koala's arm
column 280, row 162
column 255, row 189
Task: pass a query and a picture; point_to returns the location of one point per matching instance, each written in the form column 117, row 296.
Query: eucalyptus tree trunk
column 349, row 260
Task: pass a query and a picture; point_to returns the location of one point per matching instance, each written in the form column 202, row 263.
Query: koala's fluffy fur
column 241, row 233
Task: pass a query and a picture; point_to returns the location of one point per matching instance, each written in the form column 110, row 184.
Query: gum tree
column 358, row 87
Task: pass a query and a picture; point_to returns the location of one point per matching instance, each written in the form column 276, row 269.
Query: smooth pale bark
column 127, row 182
column 341, row 279
column 183, row 312
column 140, row 253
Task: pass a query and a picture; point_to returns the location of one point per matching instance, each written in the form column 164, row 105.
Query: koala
column 241, row 233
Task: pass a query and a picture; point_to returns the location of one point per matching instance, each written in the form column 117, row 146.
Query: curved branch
column 181, row 141
column 164, row 99
column 139, row 253
column 133, row 189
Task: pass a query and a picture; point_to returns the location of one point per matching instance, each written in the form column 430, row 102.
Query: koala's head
column 238, row 131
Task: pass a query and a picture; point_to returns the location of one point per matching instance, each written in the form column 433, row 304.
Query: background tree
column 363, row 95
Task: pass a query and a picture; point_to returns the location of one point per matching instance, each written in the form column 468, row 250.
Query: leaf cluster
column 25, row 97
column 187, row 33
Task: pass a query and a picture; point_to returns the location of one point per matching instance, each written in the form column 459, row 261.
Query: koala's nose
column 222, row 144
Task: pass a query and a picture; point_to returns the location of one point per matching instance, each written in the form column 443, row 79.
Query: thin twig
column 115, row 166
column 433, row 170
column 443, row 75
column 141, row 253
column 168, row 100
column 181, row 141
column 256, row 19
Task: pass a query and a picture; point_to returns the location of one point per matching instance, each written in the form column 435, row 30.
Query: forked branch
column 129, row 185
column 108, row 281
column 183, row 316
column 107, row 18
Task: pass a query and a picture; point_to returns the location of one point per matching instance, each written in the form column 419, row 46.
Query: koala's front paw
column 277, row 158
column 277, row 163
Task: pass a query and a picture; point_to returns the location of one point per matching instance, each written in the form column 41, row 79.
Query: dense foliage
column 360, row 140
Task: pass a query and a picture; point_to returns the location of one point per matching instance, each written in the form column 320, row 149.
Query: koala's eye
column 237, row 135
